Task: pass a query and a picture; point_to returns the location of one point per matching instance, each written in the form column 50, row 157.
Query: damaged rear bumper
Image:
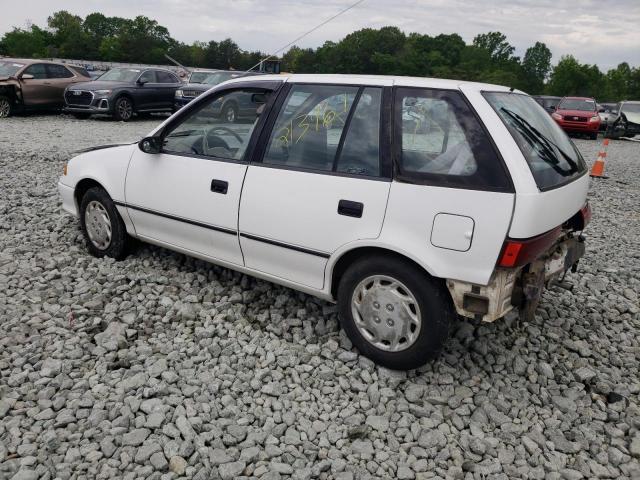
column 520, row 288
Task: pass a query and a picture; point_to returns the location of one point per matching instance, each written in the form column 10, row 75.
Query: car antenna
column 511, row 90
column 305, row 34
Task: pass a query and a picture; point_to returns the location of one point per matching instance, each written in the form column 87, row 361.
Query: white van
column 404, row 200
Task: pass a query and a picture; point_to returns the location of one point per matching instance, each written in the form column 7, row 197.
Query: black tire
column 436, row 311
column 6, row 107
column 123, row 109
column 230, row 113
column 81, row 116
column 117, row 245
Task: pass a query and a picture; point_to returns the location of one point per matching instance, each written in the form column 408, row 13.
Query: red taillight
column 519, row 252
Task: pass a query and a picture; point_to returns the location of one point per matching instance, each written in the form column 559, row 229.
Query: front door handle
column 219, row 186
column 350, row 209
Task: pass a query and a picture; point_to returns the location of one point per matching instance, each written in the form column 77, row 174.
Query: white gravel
column 162, row 366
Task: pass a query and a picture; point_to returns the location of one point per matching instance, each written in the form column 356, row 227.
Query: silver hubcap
column 5, row 107
column 125, row 109
column 231, row 115
column 386, row 313
column 98, row 225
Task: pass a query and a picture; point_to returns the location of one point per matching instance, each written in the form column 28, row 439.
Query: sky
column 605, row 32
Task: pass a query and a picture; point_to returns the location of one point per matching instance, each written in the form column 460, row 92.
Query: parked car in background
column 626, row 122
column 29, row 85
column 606, row 112
column 578, row 115
column 123, row 92
column 189, row 91
column 548, row 102
column 468, row 201
column 199, row 75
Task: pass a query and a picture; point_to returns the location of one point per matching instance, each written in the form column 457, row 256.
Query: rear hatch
column 556, row 165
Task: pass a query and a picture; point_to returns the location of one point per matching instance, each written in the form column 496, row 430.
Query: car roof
column 630, row 101
column 379, row 80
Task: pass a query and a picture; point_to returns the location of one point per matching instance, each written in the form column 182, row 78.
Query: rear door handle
column 219, row 186
column 350, row 209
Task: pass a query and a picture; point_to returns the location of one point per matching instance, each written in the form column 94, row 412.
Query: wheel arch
column 124, row 93
column 83, row 186
column 344, row 259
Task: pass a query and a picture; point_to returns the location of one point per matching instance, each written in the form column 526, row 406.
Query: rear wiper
column 545, row 143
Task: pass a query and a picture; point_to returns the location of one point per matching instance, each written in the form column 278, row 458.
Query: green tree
column 570, row 77
column 28, row 43
column 536, row 66
column 495, row 43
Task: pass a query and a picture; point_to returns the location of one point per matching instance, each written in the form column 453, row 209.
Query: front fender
column 106, row 166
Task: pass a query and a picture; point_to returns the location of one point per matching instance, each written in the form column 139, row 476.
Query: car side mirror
column 150, row 145
column 141, row 81
column 26, row 76
column 258, row 98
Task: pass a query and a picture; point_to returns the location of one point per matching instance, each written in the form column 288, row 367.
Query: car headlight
column 102, row 92
column 557, row 116
column 595, row 118
column 179, row 93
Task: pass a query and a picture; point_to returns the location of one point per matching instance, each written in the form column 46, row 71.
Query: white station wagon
column 405, row 200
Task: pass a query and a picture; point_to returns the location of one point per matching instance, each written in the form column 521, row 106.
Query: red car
column 578, row 115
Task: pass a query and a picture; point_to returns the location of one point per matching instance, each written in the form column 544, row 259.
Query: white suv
column 405, row 200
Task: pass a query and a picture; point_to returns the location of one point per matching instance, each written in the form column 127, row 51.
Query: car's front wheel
column 393, row 312
column 5, row 106
column 123, row 109
column 103, row 229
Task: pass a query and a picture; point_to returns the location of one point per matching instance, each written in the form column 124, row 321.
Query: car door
column 60, row 77
column 321, row 181
column 167, row 85
column 38, row 91
column 145, row 91
column 187, row 195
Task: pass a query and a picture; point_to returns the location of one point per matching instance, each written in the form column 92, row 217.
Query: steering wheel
column 229, row 131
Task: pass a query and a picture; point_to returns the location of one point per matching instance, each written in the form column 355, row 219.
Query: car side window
column 165, row 77
column 317, row 130
column 210, row 131
column 442, row 142
column 38, row 70
column 148, row 77
column 58, row 71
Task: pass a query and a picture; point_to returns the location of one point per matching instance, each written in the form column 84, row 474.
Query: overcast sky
column 604, row 32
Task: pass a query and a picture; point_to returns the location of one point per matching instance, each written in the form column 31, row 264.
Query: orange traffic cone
column 597, row 171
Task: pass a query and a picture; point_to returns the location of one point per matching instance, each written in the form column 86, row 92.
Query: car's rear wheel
column 123, row 109
column 5, row 106
column 393, row 312
column 103, row 229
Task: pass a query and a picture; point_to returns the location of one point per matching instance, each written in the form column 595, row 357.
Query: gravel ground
column 162, row 366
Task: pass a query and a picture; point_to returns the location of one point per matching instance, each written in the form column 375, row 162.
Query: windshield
column 577, row 104
column 216, row 78
column 631, row 107
column 551, row 155
column 120, row 75
column 199, row 77
column 8, row 69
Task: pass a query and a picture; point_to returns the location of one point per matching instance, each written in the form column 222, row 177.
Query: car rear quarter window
column 440, row 141
column 552, row 157
column 80, row 71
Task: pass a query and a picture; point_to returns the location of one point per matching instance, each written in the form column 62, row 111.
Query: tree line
column 385, row 51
